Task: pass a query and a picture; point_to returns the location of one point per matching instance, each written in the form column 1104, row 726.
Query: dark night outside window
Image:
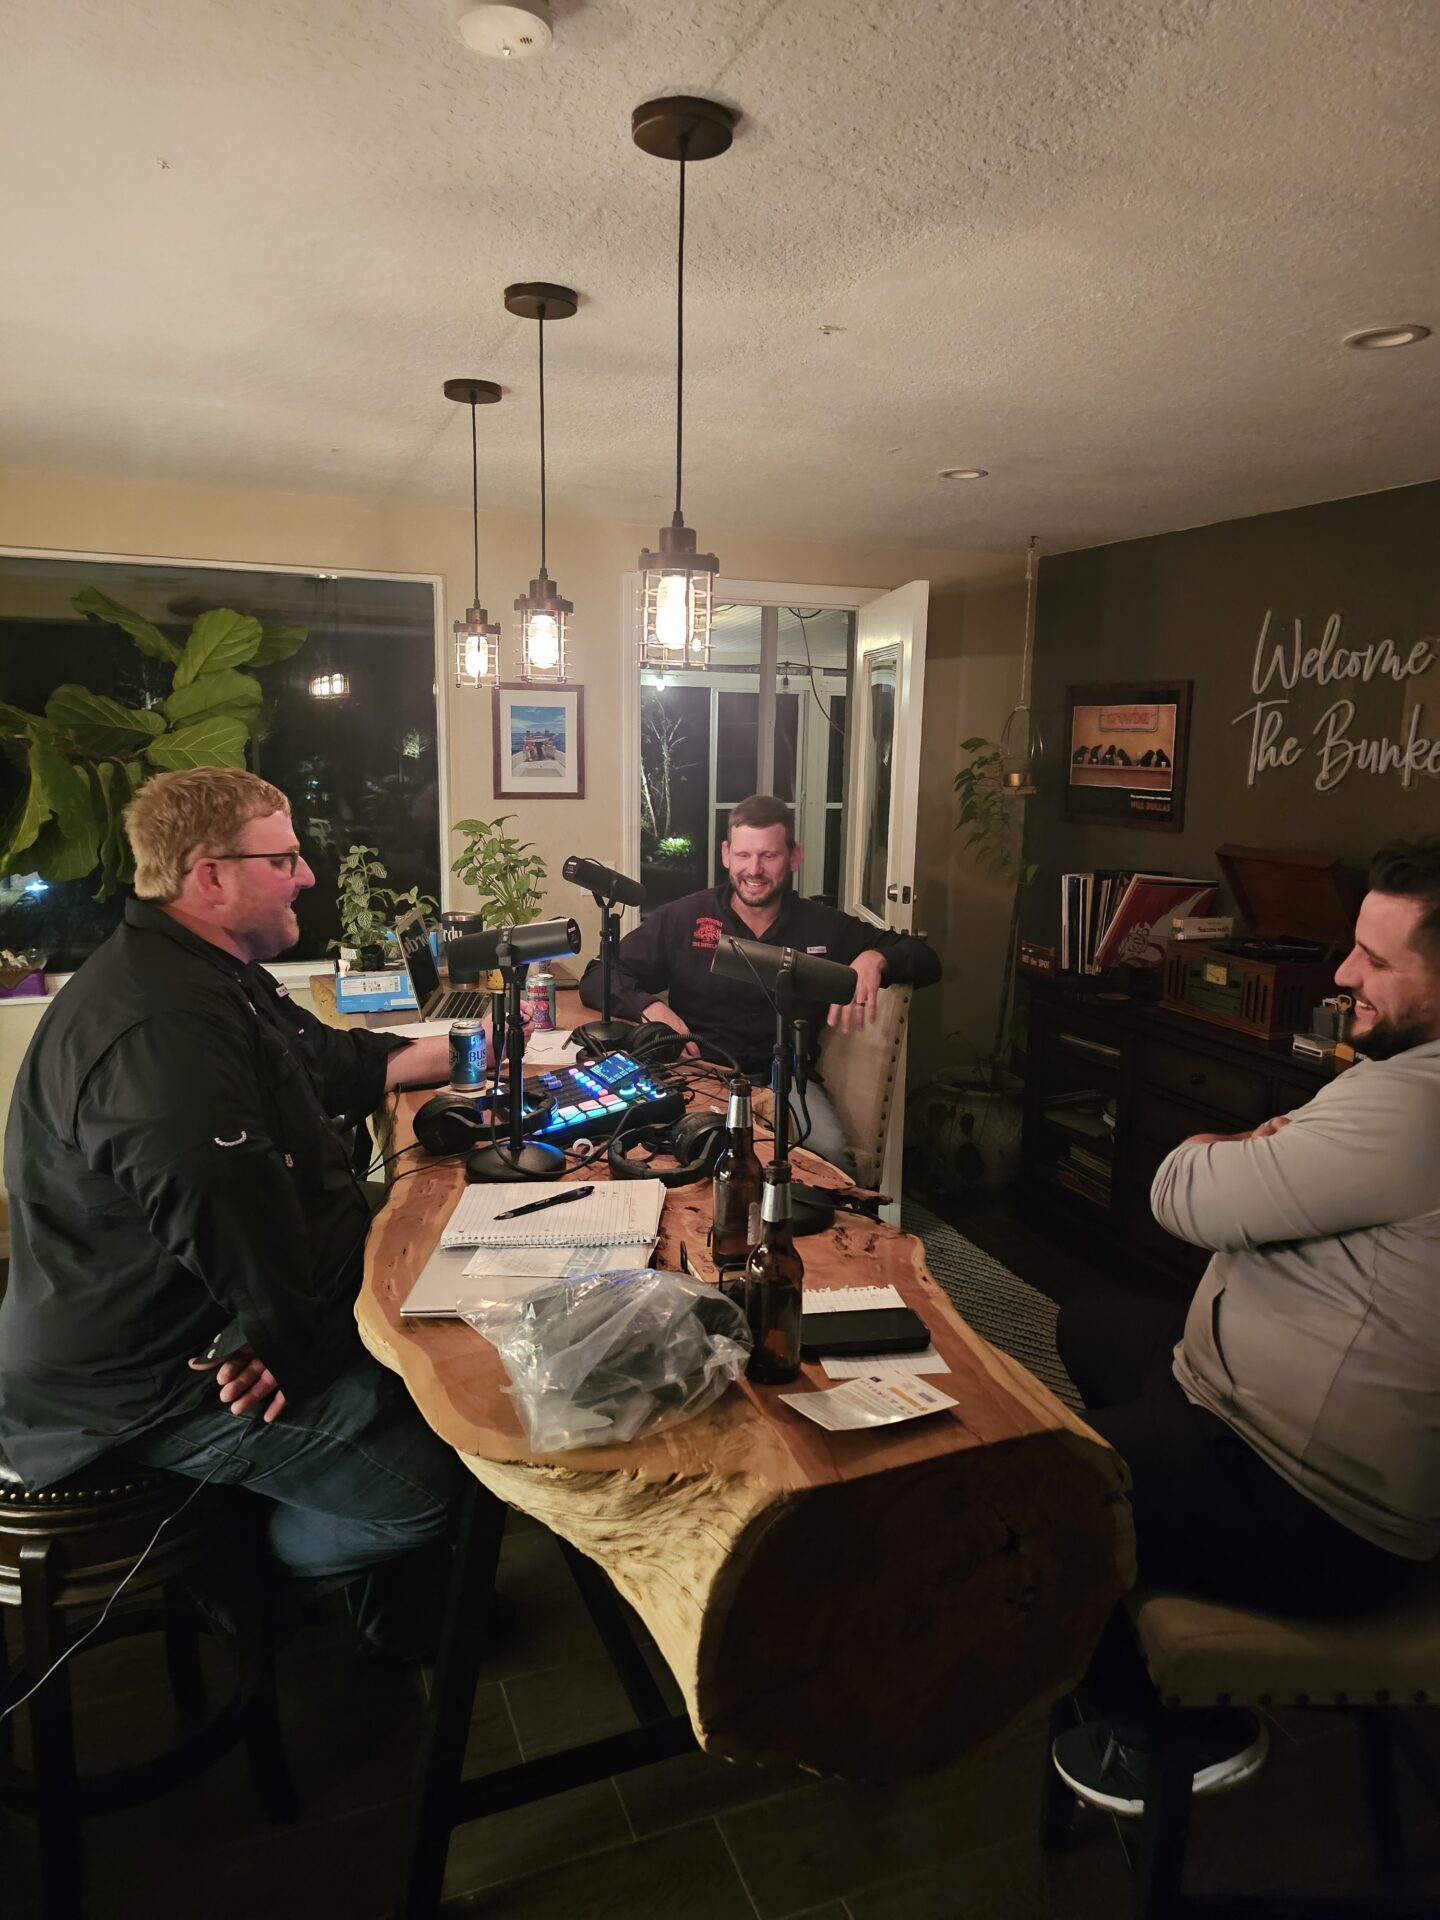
column 362, row 767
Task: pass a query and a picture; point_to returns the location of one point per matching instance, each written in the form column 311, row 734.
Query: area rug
column 1001, row 1307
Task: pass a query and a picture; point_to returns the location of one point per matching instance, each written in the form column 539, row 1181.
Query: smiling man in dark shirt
column 186, row 1231
column 673, row 948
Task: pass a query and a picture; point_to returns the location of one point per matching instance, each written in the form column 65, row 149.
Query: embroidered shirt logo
column 820, row 949
column 239, row 1140
column 707, row 934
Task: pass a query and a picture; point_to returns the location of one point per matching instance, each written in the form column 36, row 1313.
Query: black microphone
column 812, row 976
column 540, row 940
column 604, row 881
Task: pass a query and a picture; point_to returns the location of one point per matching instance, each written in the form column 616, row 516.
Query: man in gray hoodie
column 1284, row 1434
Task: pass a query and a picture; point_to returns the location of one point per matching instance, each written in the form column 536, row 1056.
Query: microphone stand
column 790, row 1068
column 517, row 1159
column 605, row 1034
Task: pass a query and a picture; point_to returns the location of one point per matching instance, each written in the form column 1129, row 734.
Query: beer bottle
column 774, row 1286
column 737, row 1181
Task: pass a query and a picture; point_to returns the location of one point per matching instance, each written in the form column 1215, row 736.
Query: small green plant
column 506, row 873
column 368, row 910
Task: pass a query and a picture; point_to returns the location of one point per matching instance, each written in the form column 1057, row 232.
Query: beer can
column 467, row 1056
column 540, row 994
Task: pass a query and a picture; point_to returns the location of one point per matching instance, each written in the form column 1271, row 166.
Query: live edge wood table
column 868, row 1604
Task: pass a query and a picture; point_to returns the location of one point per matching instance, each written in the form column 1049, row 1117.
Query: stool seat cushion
column 102, row 1480
column 1203, row 1651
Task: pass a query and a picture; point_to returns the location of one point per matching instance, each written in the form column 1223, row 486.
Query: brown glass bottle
column 737, row 1181
column 774, row 1286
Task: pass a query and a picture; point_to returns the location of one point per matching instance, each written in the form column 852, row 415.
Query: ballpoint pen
column 551, row 1200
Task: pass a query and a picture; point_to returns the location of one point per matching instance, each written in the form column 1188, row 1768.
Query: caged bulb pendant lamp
column 678, row 582
column 477, row 641
column 544, row 616
column 1021, row 744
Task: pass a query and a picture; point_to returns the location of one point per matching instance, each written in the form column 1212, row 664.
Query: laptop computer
column 434, row 1001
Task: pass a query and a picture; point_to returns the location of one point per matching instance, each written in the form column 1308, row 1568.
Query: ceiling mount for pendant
column 544, row 615
column 477, row 638
column 677, row 581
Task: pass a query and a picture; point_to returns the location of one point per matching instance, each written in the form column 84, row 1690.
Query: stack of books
column 1112, row 919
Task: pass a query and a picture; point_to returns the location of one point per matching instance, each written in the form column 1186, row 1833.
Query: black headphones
column 454, row 1123
column 696, row 1140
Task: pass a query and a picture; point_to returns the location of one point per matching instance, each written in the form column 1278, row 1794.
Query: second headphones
column 695, row 1140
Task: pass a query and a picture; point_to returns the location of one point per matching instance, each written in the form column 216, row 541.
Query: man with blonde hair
column 186, row 1231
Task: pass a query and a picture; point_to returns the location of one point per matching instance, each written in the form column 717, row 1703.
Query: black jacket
column 673, row 947
column 175, row 1178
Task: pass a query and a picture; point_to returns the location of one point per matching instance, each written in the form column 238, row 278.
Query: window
column 349, row 734
column 700, row 748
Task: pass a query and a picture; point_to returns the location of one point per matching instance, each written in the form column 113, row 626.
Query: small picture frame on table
column 539, row 741
column 1126, row 748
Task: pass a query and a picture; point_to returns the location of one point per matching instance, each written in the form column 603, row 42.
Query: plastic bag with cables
column 599, row 1361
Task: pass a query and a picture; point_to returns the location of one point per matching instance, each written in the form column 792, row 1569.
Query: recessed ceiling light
column 964, row 473
column 1373, row 337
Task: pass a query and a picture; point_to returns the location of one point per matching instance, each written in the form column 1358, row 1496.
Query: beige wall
column 974, row 641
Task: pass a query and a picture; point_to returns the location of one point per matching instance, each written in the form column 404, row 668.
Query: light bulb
column 474, row 657
column 672, row 612
column 544, row 642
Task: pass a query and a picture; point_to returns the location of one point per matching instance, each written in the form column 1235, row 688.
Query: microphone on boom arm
column 612, row 891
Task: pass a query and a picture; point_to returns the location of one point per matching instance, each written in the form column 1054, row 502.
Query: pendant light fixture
column 1021, row 744
column 477, row 642
column 677, row 581
column 543, row 614
column 329, row 683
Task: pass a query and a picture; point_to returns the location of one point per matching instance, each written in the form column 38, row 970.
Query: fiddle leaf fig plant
column 506, row 873
column 87, row 755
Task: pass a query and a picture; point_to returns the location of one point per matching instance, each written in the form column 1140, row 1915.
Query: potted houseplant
column 965, row 1122
column 369, row 910
column 87, row 755
column 506, row 873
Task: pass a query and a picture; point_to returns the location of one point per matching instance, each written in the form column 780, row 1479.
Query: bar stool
column 65, row 1551
column 1206, row 1653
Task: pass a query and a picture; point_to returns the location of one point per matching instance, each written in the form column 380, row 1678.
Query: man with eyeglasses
column 187, row 1234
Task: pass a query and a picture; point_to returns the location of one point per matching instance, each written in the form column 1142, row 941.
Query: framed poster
column 1126, row 747
column 539, row 742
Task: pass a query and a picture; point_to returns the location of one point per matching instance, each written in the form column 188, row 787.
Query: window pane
column 357, row 765
column 674, row 789
column 737, row 745
column 834, row 842
column 835, row 764
column 787, row 724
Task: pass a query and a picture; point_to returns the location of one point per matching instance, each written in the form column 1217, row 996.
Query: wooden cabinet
column 1110, row 1087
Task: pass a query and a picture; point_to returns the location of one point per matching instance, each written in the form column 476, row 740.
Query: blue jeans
column 360, row 1492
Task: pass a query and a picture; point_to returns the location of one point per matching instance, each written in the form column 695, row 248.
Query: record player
column 1299, row 909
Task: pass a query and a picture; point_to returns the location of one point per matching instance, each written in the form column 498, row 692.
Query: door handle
column 902, row 894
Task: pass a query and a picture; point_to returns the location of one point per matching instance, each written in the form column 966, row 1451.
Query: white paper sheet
column 869, row 1403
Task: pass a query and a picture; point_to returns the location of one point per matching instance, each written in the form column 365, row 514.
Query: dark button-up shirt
column 673, row 947
column 176, row 1179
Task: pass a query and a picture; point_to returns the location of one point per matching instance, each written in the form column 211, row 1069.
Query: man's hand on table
column 870, row 973
column 426, row 1063
column 245, row 1382
column 660, row 1013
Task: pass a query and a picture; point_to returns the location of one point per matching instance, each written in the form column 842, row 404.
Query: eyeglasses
column 291, row 857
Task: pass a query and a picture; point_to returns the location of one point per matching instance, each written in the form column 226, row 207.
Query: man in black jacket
column 673, row 947
column 186, row 1231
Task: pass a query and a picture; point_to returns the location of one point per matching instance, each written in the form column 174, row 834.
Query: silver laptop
column 434, row 1001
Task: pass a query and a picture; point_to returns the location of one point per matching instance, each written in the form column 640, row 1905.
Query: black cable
column 542, row 436
column 680, row 334
column 810, row 667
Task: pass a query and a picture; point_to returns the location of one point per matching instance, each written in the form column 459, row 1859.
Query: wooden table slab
column 869, row 1604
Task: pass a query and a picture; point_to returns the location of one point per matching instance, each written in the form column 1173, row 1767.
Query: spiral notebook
column 619, row 1213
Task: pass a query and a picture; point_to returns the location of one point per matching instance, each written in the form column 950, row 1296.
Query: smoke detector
column 507, row 29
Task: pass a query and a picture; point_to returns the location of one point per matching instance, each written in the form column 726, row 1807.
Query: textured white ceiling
column 1106, row 249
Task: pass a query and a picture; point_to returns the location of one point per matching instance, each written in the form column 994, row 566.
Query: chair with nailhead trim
column 63, row 1553
column 1205, row 1653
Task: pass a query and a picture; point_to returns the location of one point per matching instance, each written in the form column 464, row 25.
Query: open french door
column 883, row 801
